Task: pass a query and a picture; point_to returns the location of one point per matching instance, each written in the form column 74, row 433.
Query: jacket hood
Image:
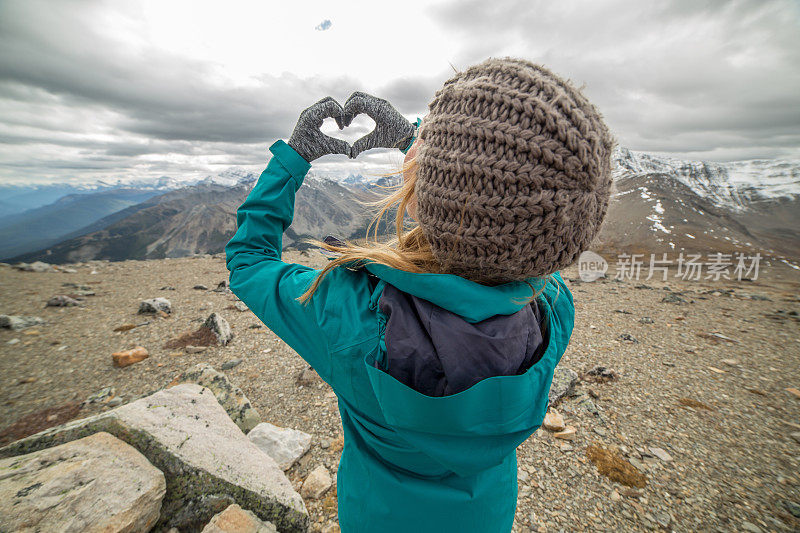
column 466, row 392
column 436, row 352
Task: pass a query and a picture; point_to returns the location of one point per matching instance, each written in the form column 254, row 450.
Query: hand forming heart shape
column 392, row 130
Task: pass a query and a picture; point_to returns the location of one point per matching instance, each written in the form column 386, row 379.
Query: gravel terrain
column 698, row 396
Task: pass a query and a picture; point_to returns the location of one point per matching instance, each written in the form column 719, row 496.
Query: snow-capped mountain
column 667, row 205
column 736, row 185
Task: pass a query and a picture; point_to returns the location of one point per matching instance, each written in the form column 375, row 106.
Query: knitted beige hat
column 514, row 172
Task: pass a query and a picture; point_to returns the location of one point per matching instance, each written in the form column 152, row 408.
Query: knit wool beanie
column 513, row 172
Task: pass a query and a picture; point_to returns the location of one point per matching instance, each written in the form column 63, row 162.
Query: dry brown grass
column 39, row 421
column 202, row 336
column 611, row 464
column 694, row 404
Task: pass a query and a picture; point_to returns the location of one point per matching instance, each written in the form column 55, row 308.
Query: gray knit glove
column 392, row 130
column 307, row 139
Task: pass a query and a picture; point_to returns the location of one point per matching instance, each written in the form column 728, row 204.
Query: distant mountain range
column 659, row 204
column 202, row 218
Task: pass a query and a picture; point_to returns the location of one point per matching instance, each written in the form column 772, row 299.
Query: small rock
column 564, row 380
column 195, row 349
column 661, row 454
column 101, row 396
column 522, row 476
column 615, row 497
column 626, row 337
column 796, row 436
column 62, row 301
column 227, row 365
column 222, row 286
column 673, row 298
column 638, row 464
column 17, row 323
column 241, row 306
column 331, row 528
column 308, row 376
column 600, row 374
column 630, row 492
column 731, row 362
column 568, row 433
column 646, row 320
column 12, row 341
column 234, row 519
column 553, row 421
column 285, row 445
column 316, row 483
column 154, row 305
column 129, row 357
column 566, row 447
column 167, row 288
column 793, row 508
column 750, row 527
column 220, row 327
column 793, row 391
column 37, row 266
column 200, row 287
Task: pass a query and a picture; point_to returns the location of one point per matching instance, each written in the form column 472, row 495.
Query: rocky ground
column 700, row 395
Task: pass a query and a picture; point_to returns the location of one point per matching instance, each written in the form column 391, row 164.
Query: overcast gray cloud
column 716, row 80
column 697, row 79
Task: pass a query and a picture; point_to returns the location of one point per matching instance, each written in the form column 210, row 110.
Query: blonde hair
column 407, row 250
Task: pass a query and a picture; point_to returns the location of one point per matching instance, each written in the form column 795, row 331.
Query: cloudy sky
column 128, row 90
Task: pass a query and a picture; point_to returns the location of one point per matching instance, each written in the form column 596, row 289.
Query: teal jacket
column 410, row 462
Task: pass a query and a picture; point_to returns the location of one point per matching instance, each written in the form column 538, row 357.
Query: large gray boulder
column 97, row 483
column 228, row 395
column 207, row 460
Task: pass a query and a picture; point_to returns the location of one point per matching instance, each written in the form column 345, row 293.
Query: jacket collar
column 471, row 300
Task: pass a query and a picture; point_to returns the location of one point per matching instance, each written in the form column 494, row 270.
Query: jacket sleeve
column 267, row 285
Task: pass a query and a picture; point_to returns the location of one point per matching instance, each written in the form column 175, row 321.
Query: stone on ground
column 234, row 519
column 308, row 376
column 553, row 421
column 317, row 482
column 36, row 266
column 228, row 395
column 220, row 327
column 661, row 453
column 154, row 305
column 97, row 483
column 564, row 380
column 207, row 460
column 129, row 357
column 567, row 434
column 285, row 445
column 17, row 322
column 62, row 300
